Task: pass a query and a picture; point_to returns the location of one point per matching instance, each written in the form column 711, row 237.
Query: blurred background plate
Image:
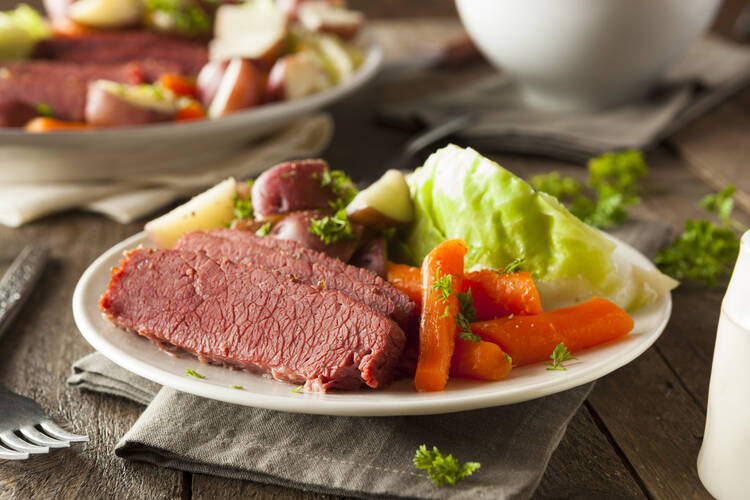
column 108, row 153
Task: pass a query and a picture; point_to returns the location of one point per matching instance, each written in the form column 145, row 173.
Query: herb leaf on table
column 443, row 469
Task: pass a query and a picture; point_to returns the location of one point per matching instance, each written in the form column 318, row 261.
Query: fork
column 24, row 429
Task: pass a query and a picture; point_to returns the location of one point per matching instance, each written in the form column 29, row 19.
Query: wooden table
column 637, row 435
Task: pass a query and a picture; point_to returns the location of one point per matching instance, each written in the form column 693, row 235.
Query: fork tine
column 6, row 454
column 58, row 432
column 37, row 437
column 16, row 443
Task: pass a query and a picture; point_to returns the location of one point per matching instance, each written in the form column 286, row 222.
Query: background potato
column 209, row 80
column 241, row 87
column 110, row 104
column 291, row 186
column 296, row 75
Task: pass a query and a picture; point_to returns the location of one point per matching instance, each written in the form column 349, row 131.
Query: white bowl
column 166, row 147
column 574, row 55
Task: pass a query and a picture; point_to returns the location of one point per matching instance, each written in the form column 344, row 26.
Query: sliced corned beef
column 253, row 318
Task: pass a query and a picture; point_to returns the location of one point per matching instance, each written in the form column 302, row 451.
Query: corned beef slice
column 299, row 251
column 248, row 252
column 254, row 318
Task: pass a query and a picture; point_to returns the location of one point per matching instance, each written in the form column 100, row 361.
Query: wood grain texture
column 35, row 359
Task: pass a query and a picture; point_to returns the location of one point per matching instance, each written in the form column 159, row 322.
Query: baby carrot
column 501, row 294
column 442, row 271
column 408, row 279
column 46, row 124
column 531, row 339
column 479, row 360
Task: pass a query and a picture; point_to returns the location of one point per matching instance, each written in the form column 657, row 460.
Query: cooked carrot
column 501, row 294
column 178, row 84
column 67, row 28
column 192, row 111
column 407, row 279
column 437, row 327
column 46, row 124
column 495, row 294
column 479, row 360
column 531, row 339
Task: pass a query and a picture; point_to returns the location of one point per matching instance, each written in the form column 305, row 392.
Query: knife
column 18, row 282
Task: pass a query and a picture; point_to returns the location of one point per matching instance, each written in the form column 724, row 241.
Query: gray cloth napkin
column 346, row 455
column 711, row 71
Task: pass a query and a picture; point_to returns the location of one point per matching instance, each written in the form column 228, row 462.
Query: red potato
column 291, row 186
column 294, row 76
column 209, row 79
column 296, row 226
column 241, row 87
column 371, row 256
column 324, row 17
column 111, row 104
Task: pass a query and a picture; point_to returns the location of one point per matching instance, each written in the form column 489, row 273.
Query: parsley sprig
column 340, row 184
column 559, row 356
column 705, row 251
column 193, row 373
column 442, row 469
column 514, row 265
column 467, row 314
column 243, row 205
column 613, row 179
column 332, row 228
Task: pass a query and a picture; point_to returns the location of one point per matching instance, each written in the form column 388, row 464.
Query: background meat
column 253, row 318
column 61, row 86
column 187, row 56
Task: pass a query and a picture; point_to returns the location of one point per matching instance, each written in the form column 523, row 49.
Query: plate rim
column 307, row 403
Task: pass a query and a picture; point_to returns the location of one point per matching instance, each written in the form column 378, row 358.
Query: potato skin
column 208, row 81
column 105, row 109
column 291, row 186
column 371, row 256
column 296, row 226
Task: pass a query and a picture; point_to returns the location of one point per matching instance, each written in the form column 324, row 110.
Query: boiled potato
column 291, row 186
column 295, row 76
column 296, row 226
column 112, row 104
column 211, row 209
column 386, row 202
column 106, row 14
column 240, row 87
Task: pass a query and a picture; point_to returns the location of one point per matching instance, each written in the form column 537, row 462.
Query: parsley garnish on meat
column 194, row 373
column 45, row 109
column 705, row 251
column 559, row 356
column 442, row 469
column 613, row 179
column 333, row 228
column 264, row 229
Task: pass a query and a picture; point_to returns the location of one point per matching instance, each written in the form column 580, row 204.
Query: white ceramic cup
column 578, row 55
column 724, row 459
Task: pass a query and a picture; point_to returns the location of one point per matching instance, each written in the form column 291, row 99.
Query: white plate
column 68, row 156
column 144, row 358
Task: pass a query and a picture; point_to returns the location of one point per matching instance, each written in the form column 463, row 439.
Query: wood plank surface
column 36, row 355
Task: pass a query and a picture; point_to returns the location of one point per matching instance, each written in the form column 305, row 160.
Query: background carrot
column 408, row 279
column 178, row 84
column 192, row 111
column 495, row 294
column 501, row 294
column 531, row 339
column 437, row 330
column 479, row 360
column 46, row 124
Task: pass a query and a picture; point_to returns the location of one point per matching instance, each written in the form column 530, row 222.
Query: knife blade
column 18, row 282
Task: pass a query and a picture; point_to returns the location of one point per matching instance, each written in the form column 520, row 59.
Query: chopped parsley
column 188, row 20
column 510, row 360
column 243, row 206
column 340, row 184
column 705, row 251
column 298, row 389
column 332, row 228
column 559, row 356
column 239, row 387
column 194, row 373
column 442, row 469
column 45, row 109
column 264, row 229
column 515, row 265
column 443, row 285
